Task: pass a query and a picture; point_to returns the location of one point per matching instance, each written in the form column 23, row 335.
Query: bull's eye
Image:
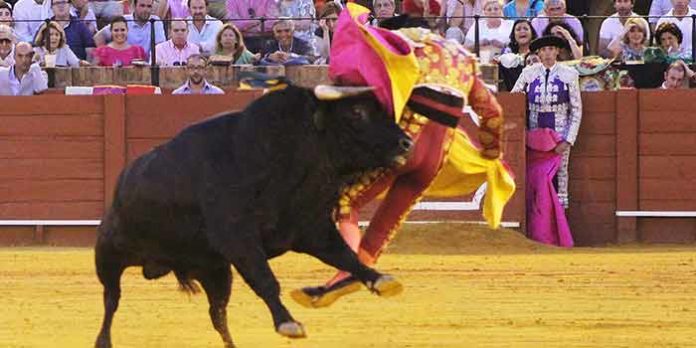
column 359, row 113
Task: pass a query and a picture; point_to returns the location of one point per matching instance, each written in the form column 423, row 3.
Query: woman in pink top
column 119, row 52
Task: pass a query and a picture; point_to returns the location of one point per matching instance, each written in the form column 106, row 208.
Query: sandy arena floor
column 465, row 287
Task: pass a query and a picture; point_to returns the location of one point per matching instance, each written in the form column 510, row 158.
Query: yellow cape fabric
column 465, row 170
column 403, row 70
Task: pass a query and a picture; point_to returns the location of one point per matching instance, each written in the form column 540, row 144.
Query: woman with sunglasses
column 118, row 52
column 324, row 34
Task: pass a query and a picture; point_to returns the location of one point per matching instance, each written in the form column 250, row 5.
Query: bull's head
column 362, row 135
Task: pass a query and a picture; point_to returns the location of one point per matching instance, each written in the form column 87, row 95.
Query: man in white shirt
column 29, row 15
column 680, row 15
column 202, row 28
column 197, row 84
column 22, row 78
column 658, row 8
column 613, row 26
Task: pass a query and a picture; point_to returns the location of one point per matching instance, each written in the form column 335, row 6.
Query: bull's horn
column 326, row 92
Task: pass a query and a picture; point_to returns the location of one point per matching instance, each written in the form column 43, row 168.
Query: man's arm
column 39, row 79
column 604, row 40
column 575, row 110
column 102, row 36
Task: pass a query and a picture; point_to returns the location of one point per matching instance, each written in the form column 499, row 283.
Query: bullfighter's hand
column 562, row 147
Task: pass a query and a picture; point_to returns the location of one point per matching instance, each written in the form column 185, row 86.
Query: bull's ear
column 326, row 92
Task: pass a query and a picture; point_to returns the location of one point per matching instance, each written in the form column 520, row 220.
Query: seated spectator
column 138, row 27
column 675, row 76
column 494, row 32
column 324, row 34
column 658, row 8
column 176, row 50
column 631, row 44
column 6, row 14
column 303, row 13
column 614, row 25
column 560, row 29
column 460, row 17
column 119, row 52
column 50, row 40
column 77, row 35
column 555, row 12
column 245, row 15
column 230, row 43
column 521, row 37
column 81, row 10
column 23, row 77
column 383, row 9
column 106, row 10
column 516, row 9
column 414, row 14
column 168, row 9
column 196, row 66
column 286, row 49
column 28, row 16
column 202, row 28
column 670, row 38
column 6, row 46
column 680, row 15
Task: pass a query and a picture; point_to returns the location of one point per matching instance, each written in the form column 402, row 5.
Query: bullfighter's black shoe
column 324, row 296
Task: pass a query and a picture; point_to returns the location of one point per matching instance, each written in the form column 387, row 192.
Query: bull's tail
column 186, row 283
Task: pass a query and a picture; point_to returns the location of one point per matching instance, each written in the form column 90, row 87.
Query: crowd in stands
column 295, row 32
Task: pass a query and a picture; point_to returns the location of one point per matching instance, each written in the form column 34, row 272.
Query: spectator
column 77, row 35
column 119, row 52
column 28, row 15
column 138, row 27
column 286, row 49
column 175, row 51
column 6, row 46
column 383, row 9
column 106, row 10
column 670, row 38
column 521, row 37
column 6, row 15
column 658, row 8
column 81, row 10
column 173, row 9
column 51, row 41
column 230, row 43
column 202, row 28
column 197, row 84
column 460, row 17
column 614, row 26
column 681, row 16
column 572, row 50
column 523, row 8
column 554, row 114
column 675, row 75
column 303, row 13
column 494, row 32
column 324, row 34
column 555, row 12
column 631, row 44
column 246, row 15
column 23, row 77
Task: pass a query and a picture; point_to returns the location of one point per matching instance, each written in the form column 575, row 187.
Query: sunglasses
column 5, row 41
column 252, row 13
column 179, row 64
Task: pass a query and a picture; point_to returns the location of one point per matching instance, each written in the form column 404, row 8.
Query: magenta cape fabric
column 546, row 220
column 354, row 62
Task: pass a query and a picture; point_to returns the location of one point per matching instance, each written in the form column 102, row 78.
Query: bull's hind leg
column 217, row 284
column 110, row 267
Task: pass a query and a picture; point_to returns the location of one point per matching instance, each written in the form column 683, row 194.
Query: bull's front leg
column 331, row 249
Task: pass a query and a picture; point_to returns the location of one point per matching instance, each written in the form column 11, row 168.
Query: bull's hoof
column 292, row 329
column 323, row 296
column 386, row 286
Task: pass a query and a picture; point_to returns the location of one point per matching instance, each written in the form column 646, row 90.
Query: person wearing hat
column 553, row 103
column 6, row 46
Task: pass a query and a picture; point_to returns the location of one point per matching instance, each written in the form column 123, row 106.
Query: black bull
column 242, row 188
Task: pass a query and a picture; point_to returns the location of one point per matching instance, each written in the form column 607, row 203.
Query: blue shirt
column 535, row 7
column 78, row 37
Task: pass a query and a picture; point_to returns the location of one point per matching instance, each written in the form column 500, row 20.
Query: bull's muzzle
column 405, row 147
